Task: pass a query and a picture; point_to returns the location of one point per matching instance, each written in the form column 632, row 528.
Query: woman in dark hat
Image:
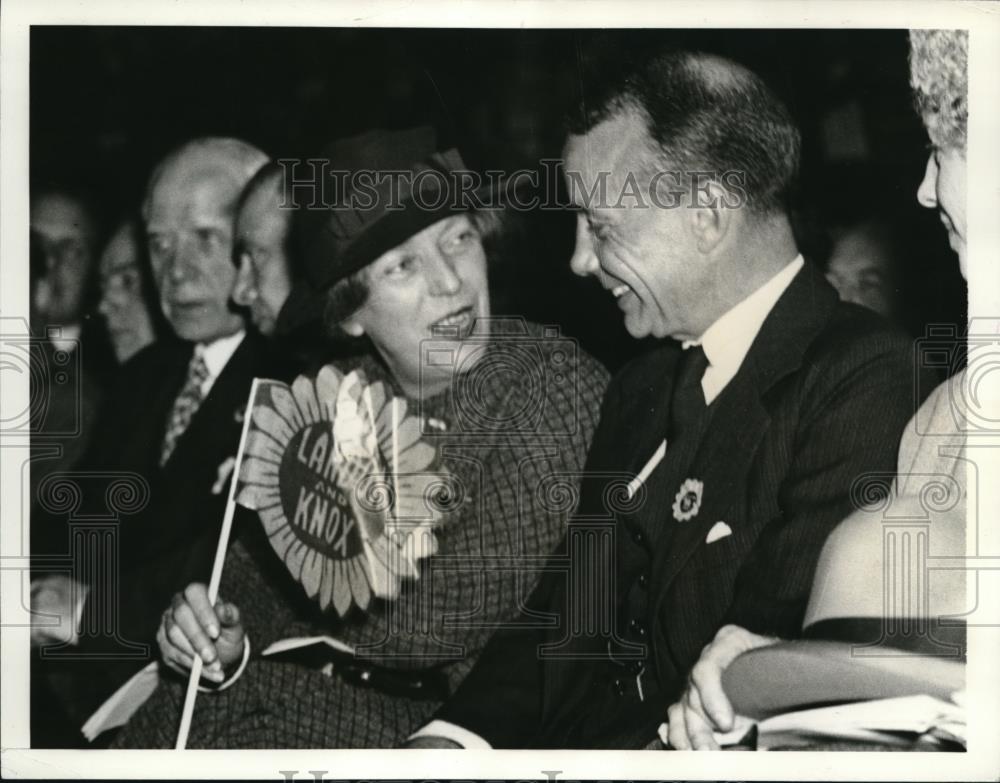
column 396, row 264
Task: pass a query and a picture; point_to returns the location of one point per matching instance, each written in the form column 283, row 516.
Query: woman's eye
column 460, row 239
column 401, row 267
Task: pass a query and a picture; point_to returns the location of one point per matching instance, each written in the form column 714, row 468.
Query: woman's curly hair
column 940, row 79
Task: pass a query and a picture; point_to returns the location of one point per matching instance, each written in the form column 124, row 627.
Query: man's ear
column 711, row 217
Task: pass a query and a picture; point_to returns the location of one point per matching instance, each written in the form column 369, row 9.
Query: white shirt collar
column 217, row 355
column 65, row 338
column 727, row 341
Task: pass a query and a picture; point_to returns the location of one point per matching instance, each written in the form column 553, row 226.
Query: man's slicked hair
column 240, row 157
column 709, row 114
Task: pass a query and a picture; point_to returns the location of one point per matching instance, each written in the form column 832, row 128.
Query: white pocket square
column 719, row 530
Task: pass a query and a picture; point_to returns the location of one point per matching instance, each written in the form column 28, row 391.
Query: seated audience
column 863, row 267
column 126, row 302
column 263, row 232
column 169, row 426
column 71, row 364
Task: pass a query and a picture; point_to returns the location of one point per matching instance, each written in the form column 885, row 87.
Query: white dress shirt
column 727, row 341
column 726, row 344
column 217, row 355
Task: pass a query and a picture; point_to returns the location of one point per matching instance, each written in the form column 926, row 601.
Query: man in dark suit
column 170, row 427
column 72, row 364
column 727, row 453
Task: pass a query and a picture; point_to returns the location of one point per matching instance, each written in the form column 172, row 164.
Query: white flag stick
column 220, row 557
column 395, row 461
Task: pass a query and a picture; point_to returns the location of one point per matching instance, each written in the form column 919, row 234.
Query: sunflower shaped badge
column 343, row 485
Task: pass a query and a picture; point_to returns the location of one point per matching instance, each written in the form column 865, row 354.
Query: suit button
column 635, row 666
column 638, row 537
column 637, row 627
column 643, row 581
column 619, row 687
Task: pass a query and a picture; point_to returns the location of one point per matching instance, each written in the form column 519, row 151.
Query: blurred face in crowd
column 130, row 325
column 643, row 256
column 860, row 268
column 63, row 235
column 263, row 280
column 189, row 226
column 943, row 188
column 433, row 286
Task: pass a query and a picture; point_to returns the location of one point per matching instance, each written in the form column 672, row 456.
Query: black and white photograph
column 536, row 377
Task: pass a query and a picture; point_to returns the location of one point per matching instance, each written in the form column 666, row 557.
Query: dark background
column 107, row 103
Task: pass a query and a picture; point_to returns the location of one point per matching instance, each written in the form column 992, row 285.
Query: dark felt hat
column 364, row 196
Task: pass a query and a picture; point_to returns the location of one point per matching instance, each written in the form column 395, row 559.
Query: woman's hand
column 192, row 623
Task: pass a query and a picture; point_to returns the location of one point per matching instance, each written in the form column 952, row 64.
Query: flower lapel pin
column 688, row 500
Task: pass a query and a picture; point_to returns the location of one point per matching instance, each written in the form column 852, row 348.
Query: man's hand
column 57, row 595
column 192, row 623
column 704, row 707
column 429, row 742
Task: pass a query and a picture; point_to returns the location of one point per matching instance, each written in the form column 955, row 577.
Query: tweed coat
column 514, row 432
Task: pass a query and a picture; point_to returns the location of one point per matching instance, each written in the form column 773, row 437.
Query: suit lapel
column 648, row 410
column 647, row 417
column 720, row 464
column 739, row 421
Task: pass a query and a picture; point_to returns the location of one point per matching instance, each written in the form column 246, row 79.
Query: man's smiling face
column 642, row 253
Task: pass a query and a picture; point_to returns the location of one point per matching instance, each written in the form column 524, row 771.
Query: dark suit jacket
column 820, row 399
column 171, row 540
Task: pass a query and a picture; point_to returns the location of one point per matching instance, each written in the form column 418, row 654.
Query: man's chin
column 638, row 328
column 197, row 331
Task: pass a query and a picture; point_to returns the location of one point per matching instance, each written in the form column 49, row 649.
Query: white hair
column 239, row 157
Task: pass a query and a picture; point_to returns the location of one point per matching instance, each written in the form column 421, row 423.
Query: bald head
column 188, row 211
column 225, row 159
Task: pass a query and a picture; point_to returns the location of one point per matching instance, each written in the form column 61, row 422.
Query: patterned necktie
column 185, row 405
column 687, row 405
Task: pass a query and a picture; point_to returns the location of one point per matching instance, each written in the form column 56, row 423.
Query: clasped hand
column 191, row 624
column 704, row 708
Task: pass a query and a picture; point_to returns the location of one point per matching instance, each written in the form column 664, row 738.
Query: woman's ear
column 352, row 326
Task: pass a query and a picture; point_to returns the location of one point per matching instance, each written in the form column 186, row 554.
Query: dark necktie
column 185, row 405
column 687, row 404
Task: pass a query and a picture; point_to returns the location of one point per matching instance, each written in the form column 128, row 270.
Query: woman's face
column 431, row 287
column 943, row 187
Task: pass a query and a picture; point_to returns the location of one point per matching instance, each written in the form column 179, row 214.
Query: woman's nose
column 444, row 277
column 927, row 192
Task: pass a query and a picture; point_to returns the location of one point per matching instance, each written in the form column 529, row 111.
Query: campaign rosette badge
column 343, row 484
